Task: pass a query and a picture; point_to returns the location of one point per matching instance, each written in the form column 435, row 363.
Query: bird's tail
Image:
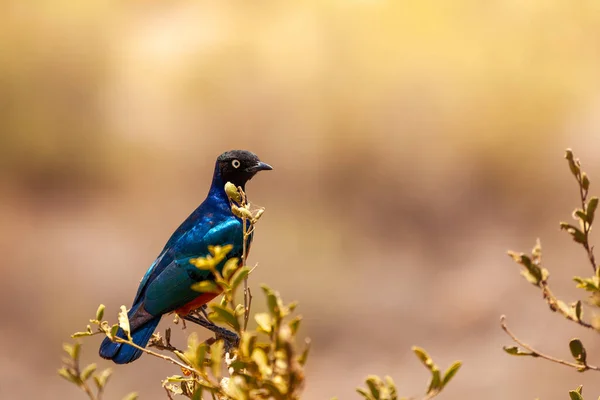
column 122, row 353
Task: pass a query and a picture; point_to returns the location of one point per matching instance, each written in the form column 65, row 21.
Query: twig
column 230, row 337
column 536, row 353
column 247, row 309
column 84, row 386
column 167, row 347
column 553, row 304
column 246, row 234
column 152, row 353
column 244, row 256
column 586, row 225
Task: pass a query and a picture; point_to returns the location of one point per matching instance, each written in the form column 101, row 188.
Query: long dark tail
column 122, row 353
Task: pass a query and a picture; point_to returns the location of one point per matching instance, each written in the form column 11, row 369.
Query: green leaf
column 294, row 324
column 230, row 267
column 226, row 315
column 573, row 164
column 578, row 351
column 576, row 233
column 102, row 378
column 424, row 357
column 515, row 351
column 76, row 351
column 591, row 209
column 131, row 396
column 564, row 308
column 201, row 355
column 450, row 372
column 391, row 388
column 241, row 212
column 113, row 331
column 238, row 366
column 239, row 310
column 87, row 371
column 435, row 382
column 239, row 276
column 579, row 214
column 100, row 312
column 124, row 321
column 533, row 273
column 174, row 389
column 575, row 396
column 202, row 263
column 262, row 362
column 264, row 321
column 216, row 353
column 589, row 284
column 232, row 192
column 274, row 388
column 374, row 383
column 72, row 350
column 81, row 334
column 68, row 375
column 578, row 310
column 206, row 287
column 364, row 393
column 530, row 277
column 536, row 252
column 304, row 356
column 247, row 343
column 68, row 349
column 273, row 301
column 183, row 357
column 197, row 394
column 176, row 378
column 585, row 181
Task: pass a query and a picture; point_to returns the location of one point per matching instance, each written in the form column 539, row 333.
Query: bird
column 166, row 285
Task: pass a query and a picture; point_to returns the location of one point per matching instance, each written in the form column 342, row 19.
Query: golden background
column 413, row 142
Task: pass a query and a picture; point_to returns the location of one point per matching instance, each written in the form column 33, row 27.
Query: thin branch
column 231, row 338
column 536, row 353
column 552, row 301
column 247, row 309
column 88, row 391
column 244, row 257
column 84, row 386
column 586, row 226
column 166, row 346
column 152, row 353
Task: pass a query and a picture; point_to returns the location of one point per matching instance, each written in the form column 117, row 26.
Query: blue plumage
column 165, row 287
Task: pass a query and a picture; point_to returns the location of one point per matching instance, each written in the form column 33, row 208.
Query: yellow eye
column 236, row 163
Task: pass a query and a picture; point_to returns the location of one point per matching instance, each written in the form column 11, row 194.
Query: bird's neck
column 217, row 188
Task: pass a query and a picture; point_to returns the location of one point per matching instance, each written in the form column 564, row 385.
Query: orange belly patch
column 196, row 303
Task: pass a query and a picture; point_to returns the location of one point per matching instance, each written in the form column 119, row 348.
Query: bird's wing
column 149, row 272
column 166, row 286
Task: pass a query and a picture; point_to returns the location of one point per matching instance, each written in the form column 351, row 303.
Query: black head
column 239, row 166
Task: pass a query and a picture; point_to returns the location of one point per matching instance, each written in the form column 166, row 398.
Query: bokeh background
column 414, row 142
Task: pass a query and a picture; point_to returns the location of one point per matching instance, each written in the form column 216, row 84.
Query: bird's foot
column 230, row 338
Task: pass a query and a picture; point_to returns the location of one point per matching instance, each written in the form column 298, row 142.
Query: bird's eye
column 235, row 163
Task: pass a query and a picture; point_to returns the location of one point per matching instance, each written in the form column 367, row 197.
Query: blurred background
column 414, row 142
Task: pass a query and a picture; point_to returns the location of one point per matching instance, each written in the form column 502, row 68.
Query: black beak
column 260, row 166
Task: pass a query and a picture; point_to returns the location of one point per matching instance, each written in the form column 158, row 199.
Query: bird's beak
column 260, row 166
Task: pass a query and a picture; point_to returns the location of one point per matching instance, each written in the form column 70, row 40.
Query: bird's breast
column 195, row 304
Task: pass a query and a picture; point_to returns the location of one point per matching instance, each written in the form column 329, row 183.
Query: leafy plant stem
column 536, row 353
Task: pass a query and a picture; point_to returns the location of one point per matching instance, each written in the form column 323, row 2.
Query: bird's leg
column 203, row 311
column 231, row 338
